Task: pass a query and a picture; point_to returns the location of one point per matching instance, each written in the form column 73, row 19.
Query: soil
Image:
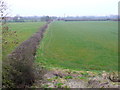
column 65, row 78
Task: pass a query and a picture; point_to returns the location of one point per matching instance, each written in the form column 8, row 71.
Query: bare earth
column 65, row 78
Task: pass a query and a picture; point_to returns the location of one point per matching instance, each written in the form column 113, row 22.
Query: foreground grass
column 22, row 32
column 80, row 46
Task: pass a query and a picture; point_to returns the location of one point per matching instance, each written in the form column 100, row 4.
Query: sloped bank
column 67, row 78
column 19, row 71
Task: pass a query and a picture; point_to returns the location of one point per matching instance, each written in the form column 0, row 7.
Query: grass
column 23, row 32
column 88, row 45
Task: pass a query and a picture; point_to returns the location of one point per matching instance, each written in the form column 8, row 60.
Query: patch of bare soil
column 65, row 78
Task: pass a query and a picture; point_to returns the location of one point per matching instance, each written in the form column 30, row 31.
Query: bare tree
column 3, row 13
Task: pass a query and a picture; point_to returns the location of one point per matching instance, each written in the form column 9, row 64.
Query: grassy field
column 85, row 45
column 23, row 32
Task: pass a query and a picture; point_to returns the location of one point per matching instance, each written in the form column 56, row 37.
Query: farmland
column 22, row 32
column 88, row 45
column 59, row 44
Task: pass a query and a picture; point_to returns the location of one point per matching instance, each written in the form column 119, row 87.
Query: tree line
column 19, row 18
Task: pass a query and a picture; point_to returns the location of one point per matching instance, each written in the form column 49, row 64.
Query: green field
column 84, row 45
column 23, row 32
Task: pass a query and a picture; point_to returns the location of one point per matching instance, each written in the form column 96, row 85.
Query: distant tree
column 45, row 18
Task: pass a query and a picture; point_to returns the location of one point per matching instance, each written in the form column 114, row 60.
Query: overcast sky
column 61, row 7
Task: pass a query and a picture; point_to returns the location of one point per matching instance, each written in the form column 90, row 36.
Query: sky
column 63, row 7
